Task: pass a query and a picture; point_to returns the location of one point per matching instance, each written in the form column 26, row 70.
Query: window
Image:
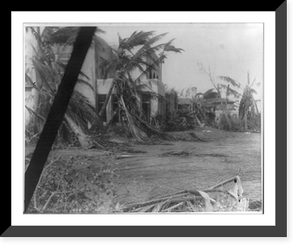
column 115, row 107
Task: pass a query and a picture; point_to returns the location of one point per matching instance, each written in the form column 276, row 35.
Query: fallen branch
column 172, row 201
column 234, row 178
column 172, row 197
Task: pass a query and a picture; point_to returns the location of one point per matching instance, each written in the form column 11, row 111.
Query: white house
column 99, row 50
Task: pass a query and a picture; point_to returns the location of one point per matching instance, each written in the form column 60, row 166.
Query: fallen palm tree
column 225, row 196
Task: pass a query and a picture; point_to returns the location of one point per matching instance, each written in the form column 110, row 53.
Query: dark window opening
column 115, row 109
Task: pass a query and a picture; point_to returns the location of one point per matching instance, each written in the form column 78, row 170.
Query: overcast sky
column 228, row 49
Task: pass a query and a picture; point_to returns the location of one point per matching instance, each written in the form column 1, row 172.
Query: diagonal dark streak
column 57, row 111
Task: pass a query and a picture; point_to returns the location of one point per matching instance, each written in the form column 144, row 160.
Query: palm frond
column 98, row 30
column 253, row 91
column 231, row 81
column 45, row 74
column 81, row 110
column 169, row 47
column 155, row 39
column 84, row 75
column 231, row 91
column 136, row 39
column 35, row 113
column 85, row 83
column 64, row 35
column 28, row 79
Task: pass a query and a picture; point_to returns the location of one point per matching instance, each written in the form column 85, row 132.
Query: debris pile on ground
column 190, row 152
column 226, row 196
column 185, row 152
column 186, row 136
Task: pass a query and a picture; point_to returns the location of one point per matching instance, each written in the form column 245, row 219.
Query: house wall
column 157, row 106
column 89, row 69
column 155, row 85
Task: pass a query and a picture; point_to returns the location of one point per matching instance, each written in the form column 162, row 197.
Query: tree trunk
column 198, row 121
column 227, row 119
column 134, row 130
column 106, row 99
column 246, row 119
column 84, row 141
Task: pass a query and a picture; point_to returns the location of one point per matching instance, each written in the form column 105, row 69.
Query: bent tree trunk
column 134, row 130
column 227, row 119
column 106, row 99
column 83, row 139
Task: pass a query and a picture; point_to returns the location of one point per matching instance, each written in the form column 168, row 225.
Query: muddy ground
column 197, row 161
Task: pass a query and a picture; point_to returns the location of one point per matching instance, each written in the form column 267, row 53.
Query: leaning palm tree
column 247, row 101
column 49, row 71
column 137, row 52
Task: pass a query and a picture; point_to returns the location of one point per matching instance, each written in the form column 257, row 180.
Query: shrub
column 180, row 120
column 254, row 122
column 236, row 124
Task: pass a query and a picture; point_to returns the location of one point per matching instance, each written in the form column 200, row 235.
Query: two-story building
column 99, row 51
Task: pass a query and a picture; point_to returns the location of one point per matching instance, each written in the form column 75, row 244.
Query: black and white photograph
column 161, row 118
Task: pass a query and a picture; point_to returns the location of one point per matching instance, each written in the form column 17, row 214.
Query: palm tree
column 217, row 88
column 247, row 102
column 137, row 52
column 49, row 71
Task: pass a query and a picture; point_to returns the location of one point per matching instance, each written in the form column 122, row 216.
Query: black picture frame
column 278, row 230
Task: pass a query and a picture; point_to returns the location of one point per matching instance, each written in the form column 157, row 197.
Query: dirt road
column 181, row 165
column 166, row 167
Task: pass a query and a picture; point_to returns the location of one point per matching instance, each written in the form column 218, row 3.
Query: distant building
column 217, row 106
column 185, row 103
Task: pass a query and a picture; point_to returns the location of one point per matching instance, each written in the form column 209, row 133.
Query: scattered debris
column 135, row 151
column 125, row 156
column 190, row 152
column 215, row 199
column 116, row 141
column 178, row 153
column 255, row 206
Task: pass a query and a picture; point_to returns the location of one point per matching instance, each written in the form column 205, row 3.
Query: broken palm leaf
column 215, row 199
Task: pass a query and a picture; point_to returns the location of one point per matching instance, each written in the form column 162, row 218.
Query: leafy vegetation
column 139, row 52
column 248, row 110
column 49, row 70
column 76, row 185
